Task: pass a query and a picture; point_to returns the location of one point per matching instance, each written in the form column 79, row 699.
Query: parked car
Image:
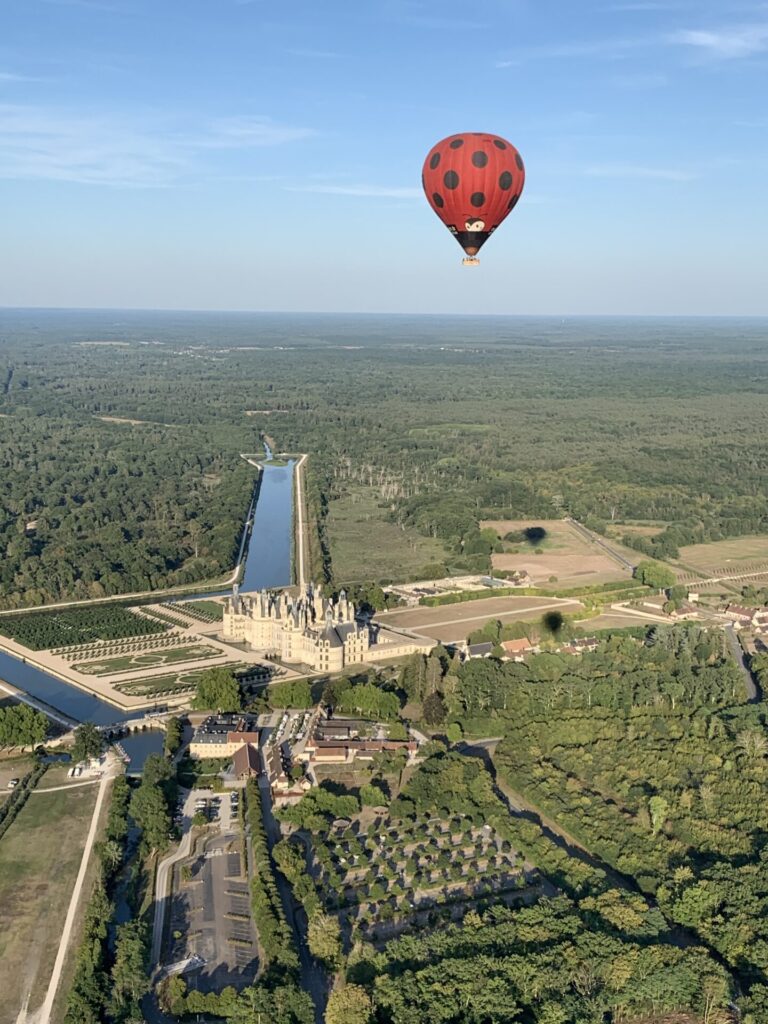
column 13, row 783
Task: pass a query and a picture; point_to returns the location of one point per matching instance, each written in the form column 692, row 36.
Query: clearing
column 366, row 546
column 39, row 859
column 551, row 547
column 453, row 622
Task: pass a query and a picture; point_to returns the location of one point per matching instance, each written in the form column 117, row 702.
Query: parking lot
column 210, row 906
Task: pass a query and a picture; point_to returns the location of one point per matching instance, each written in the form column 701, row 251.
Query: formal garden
column 42, row 630
column 148, row 659
column 384, row 876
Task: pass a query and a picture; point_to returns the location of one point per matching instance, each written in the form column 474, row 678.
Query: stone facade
column 310, row 629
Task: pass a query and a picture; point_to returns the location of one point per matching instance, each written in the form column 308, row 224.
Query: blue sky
column 244, row 154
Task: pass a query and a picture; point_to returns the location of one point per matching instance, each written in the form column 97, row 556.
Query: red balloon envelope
column 473, row 181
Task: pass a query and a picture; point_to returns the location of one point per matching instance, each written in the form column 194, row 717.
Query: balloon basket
column 470, row 261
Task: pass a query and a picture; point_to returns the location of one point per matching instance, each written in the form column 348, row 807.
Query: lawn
column 152, row 659
column 12, row 768
column 163, row 686
column 365, row 546
column 39, row 859
column 748, row 554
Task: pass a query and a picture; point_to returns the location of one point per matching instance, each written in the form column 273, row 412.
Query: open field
column 453, row 622
column 12, row 768
column 365, row 546
column 725, row 557
column 152, row 659
column 562, row 553
column 39, row 859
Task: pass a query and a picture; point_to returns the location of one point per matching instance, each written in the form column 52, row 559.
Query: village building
column 343, row 741
column 246, row 764
column 517, row 649
column 746, row 616
column 223, row 735
column 311, row 629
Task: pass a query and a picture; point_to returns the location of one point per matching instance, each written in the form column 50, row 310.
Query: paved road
column 164, row 869
column 43, row 1015
column 312, row 976
column 595, row 538
column 754, row 696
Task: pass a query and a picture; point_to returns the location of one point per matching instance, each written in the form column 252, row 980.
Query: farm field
column 152, row 659
column 365, row 546
column 453, row 622
column 725, row 557
column 563, row 553
column 39, row 858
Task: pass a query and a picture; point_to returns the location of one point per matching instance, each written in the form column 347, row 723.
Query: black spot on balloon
column 519, row 161
column 513, row 202
column 479, row 158
column 505, row 180
column 438, row 200
column 499, row 144
column 451, row 179
column 434, row 161
column 477, row 198
column 457, row 143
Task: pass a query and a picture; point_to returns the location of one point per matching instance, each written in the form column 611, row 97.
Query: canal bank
column 264, row 558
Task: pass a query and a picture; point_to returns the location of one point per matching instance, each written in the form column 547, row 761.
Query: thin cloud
column 639, row 171
column 11, row 76
column 641, row 81
column 360, row 191
column 732, row 43
column 42, row 144
column 606, row 49
column 312, row 54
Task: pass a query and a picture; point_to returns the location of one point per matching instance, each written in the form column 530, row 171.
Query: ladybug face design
column 473, row 171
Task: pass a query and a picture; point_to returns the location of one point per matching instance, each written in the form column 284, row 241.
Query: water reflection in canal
column 267, row 564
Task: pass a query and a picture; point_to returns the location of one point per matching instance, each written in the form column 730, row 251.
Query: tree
column 454, row 733
column 218, row 690
column 324, row 939
column 173, row 734
column 88, row 742
column 372, row 796
column 150, row 812
column 348, row 1005
column 655, row 575
column 129, row 978
column 434, row 709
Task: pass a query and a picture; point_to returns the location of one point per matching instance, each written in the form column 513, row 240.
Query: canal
column 267, row 564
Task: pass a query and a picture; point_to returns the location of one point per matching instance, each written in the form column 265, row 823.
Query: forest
column 119, row 445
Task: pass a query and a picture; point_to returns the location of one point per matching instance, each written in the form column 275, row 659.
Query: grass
column 208, row 609
column 39, row 859
column 181, row 682
column 152, row 659
column 728, row 555
column 365, row 546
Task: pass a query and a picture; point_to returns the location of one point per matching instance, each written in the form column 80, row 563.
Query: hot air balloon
column 472, row 181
